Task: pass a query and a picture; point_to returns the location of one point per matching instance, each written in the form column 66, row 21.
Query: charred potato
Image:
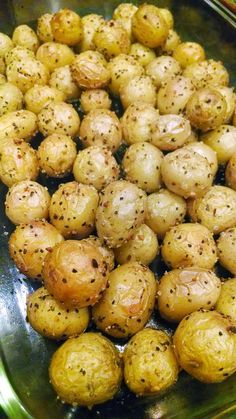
column 172, row 132
column 38, row 97
column 26, row 73
column 188, row 53
column 226, row 246
column 25, row 37
column 66, row 27
column 162, row 68
column 59, row 118
column 54, row 55
column 207, row 72
column 44, row 29
column 174, row 94
column 95, row 99
column 111, row 39
column 61, row 79
column 18, row 124
column 123, row 68
column 90, row 70
column 226, row 303
column 138, row 89
column 223, row 141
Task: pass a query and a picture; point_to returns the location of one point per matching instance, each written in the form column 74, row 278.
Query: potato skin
column 24, row 36
column 171, row 43
column 88, row 361
column 11, row 98
column 144, row 55
column 67, row 27
column 162, row 69
column 75, row 273
column 198, row 341
column 230, row 175
column 30, row 243
column 58, row 118
column 207, row 72
column 90, row 24
column 44, row 29
column 226, row 247
column 230, row 98
column 226, row 303
column 18, row 124
column 61, row 79
column 174, row 94
column 107, row 253
column 127, row 303
column 188, row 53
column 54, row 55
column 123, row 14
column 183, row 291
column 90, row 70
column 6, row 44
column 111, row 39
column 172, row 132
column 94, row 99
column 26, row 73
column 138, row 89
column 223, row 141
column 123, row 68
column 38, row 97
column 18, row 53
column 205, row 151
column 150, row 364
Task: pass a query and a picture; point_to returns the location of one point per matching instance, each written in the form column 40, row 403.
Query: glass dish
column 24, row 388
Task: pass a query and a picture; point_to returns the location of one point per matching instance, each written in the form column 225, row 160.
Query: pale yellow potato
column 11, row 98
column 107, row 253
column 90, row 70
column 2, row 66
column 226, row 247
column 67, row 27
column 174, row 94
column 138, row 89
column 90, row 24
column 123, row 68
column 162, row 68
column 2, row 79
column 205, row 151
column 6, row 44
column 223, row 141
column 38, row 97
column 25, row 36
column 172, row 132
column 18, row 53
column 226, row 303
column 54, row 55
column 44, row 29
column 230, row 173
column 18, row 124
column 193, row 137
column 59, row 118
column 123, row 14
column 207, row 72
column 144, row 55
column 168, row 17
column 61, row 79
column 25, row 73
column 94, row 99
column 111, row 39
column 171, row 43
column 188, row 53
column 230, row 98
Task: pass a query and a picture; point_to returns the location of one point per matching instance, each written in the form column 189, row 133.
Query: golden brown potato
column 207, row 72
column 26, row 73
column 123, row 14
column 67, row 27
column 171, row 43
column 188, row 53
column 205, row 151
column 54, row 55
column 144, row 55
column 223, row 141
column 59, row 118
column 226, row 246
column 11, row 98
column 127, row 303
column 6, row 44
column 226, row 303
column 123, row 68
column 18, row 53
column 162, row 68
column 138, row 89
column 94, row 99
column 18, row 124
column 172, row 132
column 174, row 94
column 111, row 39
column 230, row 98
column 230, row 173
column 61, row 79
column 90, row 24
column 30, row 243
column 44, row 29
column 24, row 36
column 205, row 346
column 90, row 70
column 107, row 253
column 38, row 97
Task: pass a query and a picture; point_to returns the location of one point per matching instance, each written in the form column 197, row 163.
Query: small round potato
column 123, row 14
column 174, row 94
column 164, row 210
column 142, row 165
column 111, row 39
column 44, row 29
column 183, row 291
column 171, row 43
column 150, row 365
column 24, row 36
column 18, row 124
column 138, row 89
column 144, row 55
column 226, row 246
column 189, row 244
column 72, row 210
column 94, row 99
column 61, row 79
column 127, row 303
column 88, row 362
column 27, row 201
column 205, row 346
column 11, row 98
column 230, row 173
column 6, row 44
column 52, row 320
column 90, row 24
column 162, row 68
column 75, row 273
column 168, row 17
column 90, row 70
column 56, row 155
column 188, row 53
column 207, row 72
column 18, row 53
column 223, row 141
column 123, row 68
column 143, row 247
column 230, row 98
column 38, row 97
column 205, row 151
column 107, row 253
column 193, row 137
column 2, row 79
column 101, row 127
column 59, row 118
column 172, row 132
column 226, row 303
column 30, row 243
column 121, row 210
column 96, row 166
column 26, row 73
column 67, row 27
column 54, row 55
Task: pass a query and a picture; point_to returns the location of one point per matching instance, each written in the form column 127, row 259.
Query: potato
column 2, row 66
column 2, row 79
column 90, row 70
column 193, row 137
column 127, row 303
column 72, row 210
column 6, row 44
column 94, row 99
column 67, row 27
column 101, row 127
column 38, row 97
column 75, row 273
column 139, row 122
column 144, row 55
column 168, row 17
column 226, row 303
column 25, row 73
column 123, row 14
column 59, row 118
column 230, row 174
column 54, row 55
column 230, row 98
column 205, row 151
column 30, row 243
column 11, row 98
column 143, row 247
column 90, row 24
column 164, row 210
column 123, row 68
column 107, row 253
column 174, row 94
column 188, row 53
column 138, row 89
column 24, row 36
column 223, row 141
column 18, row 53
column 171, row 43
column 18, row 161
column 162, row 68
column 27, row 201
column 172, row 132
column 186, row 173
column 53, row 321
column 149, row 26
column 150, row 365
column 111, row 39
column 96, row 166
column 44, row 29
column 56, row 155
column 189, row 245
column 226, row 247
column 18, row 124
column 121, row 210
column 88, row 362
column 183, row 291
column 61, row 79
column 207, row 72
column 142, row 165
column 205, row 344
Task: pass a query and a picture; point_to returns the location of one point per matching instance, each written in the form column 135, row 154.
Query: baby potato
column 193, row 137
column 138, row 123
column 142, row 165
column 223, row 141
column 143, row 247
column 44, row 29
column 183, row 291
column 54, row 55
column 207, row 72
column 6, row 44
column 61, row 79
column 111, row 39
column 150, row 364
column 56, row 155
column 26, row 73
column 101, row 127
column 75, row 273
column 172, row 132
column 24, row 36
column 2, row 79
column 30, row 243
column 96, row 166
column 72, row 210
column 186, row 173
column 18, row 53
column 121, row 210
column 2, row 66
column 138, row 89
column 18, row 124
column 188, row 53
column 90, row 24
column 189, row 244
column 226, row 246
column 123, row 14
column 38, row 97
column 67, row 27
column 11, row 98
column 168, row 17
column 107, row 253
column 144, row 55
column 174, row 94
column 226, row 303
column 123, row 68
column 127, row 303
column 164, row 210
column 18, row 161
column 90, row 70
column 205, row 346
column 230, row 98
column 59, row 118
column 27, row 201
column 162, row 68
column 94, row 99
column 205, row 151
column 149, row 26
column 230, row 173
column 171, row 43
column 52, row 320
column 87, row 362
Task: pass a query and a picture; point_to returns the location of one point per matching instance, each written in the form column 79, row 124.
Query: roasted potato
column 138, row 89
column 25, row 73
column 172, row 132
column 230, row 173
column 54, row 55
column 205, row 151
column 90, row 24
column 66, row 27
column 58, row 118
column 162, row 68
column 171, row 43
column 123, row 14
column 226, row 303
column 174, row 94
column 6, row 44
column 123, row 68
column 61, row 79
column 38, row 97
column 144, row 55
column 207, row 72
column 25, row 37
column 223, row 141
column 18, row 53
column 2, row 79
column 44, row 29
column 90, row 70
column 111, row 39
column 11, row 98
column 94, row 99
column 188, row 53
column 168, row 17
column 107, row 253
column 230, row 98
column 18, row 124
column 226, row 247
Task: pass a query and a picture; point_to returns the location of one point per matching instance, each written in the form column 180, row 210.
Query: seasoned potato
column 11, row 98
column 61, row 79
column 143, row 247
column 18, row 53
column 30, row 243
column 207, row 72
column 24, row 36
column 183, row 291
column 44, row 29
column 54, row 55
column 18, row 161
column 171, row 43
column 144, row 55
column 123, row 14
column 2, row 79
column 90, row 70
column 172, row 132
column 101, row 127
column 38, row 97
column 226, row 303
column 123, row 68
column 96, row 166
column 230, row 173
column 164, row 210
column 90, row 24
column 107, row 253
column 230, row 98
column 193, row 137
column 121, row 210
column 67, row 27
column 174, row 94
column 111, row 39
column 18, row 124
column 6, row 44
column 2, row 66
column 205, row 346
column 223, row 141
column 186, row 173
column 162, row 68
column 27, row 201
column 88, row 362
column 168, row 17
column 52, row 320
column 189, row 245
column 188, row 53
column 226, row 246
column 150, row 365
column 205, row 151
column 75, row 273
column 138, row 89
column 142, row 165
column 72, row 210
column 56, row 155
column 25, row 73
column 94, row 99
column 58, row 118
column 127, row 303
